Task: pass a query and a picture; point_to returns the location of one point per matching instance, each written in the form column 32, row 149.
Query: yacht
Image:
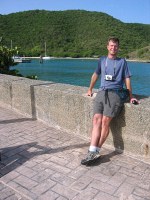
column 46, row 57
column 18, row 59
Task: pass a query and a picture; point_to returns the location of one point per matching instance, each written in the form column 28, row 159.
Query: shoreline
column 143, row 61
column 88, row 58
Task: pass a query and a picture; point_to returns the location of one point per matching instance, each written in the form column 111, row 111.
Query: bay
column 79, row 72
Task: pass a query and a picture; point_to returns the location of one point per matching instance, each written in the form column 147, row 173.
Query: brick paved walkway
column 43, row 163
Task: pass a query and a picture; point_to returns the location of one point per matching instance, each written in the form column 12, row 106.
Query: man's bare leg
column 105, row 130
column 95, row 137
column 96, row 131
column 100, row 132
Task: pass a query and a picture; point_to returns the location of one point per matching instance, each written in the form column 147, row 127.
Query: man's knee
column 106, row 120
column 97, row 119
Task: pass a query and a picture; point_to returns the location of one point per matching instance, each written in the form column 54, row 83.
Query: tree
column 6, row 57
column 6, row 61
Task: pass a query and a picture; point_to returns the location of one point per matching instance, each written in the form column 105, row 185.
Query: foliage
column 74, row 33
column 6, row 61
column 141, row 54
column 32, row 77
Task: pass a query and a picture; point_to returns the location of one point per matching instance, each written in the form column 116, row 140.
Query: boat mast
column 11, row 44
column 45, row 50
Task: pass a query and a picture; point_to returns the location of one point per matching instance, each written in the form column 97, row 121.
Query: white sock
column 93, row 148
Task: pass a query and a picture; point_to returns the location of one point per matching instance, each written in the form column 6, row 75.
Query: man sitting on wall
column 108, row 103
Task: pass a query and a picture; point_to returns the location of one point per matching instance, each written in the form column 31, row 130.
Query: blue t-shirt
column 117, row 68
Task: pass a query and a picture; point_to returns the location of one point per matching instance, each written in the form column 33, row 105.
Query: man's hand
column 93, row 81
column 134, row 101
column 89, row 93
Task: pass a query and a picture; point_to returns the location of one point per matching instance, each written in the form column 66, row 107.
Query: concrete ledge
column 67, row 107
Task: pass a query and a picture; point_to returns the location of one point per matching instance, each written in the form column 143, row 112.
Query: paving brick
column 73, row 164
column 132, row 180
column 138, row 198
column 14, row 151
column 30, row 195
column 56, row 167
column 64, row 191
column 140, row 182
column 88, row 194
column 30, row 164
column 11, row 160
column 81, row 183
column 8, row 168
column 49, row 195
column 43, row 175
column 125, row 189
column 13, row 185
column 78, row 172
column 128, row 161
column 6, row 192
column 130, row 172
column 25, row 182
column 105, row 187
column 40, row 167
column 16, row 196
column 68, row 155
column 105, row 196
column 62, row 198
column 43, row 187
column 117, row 179
column 59, row 160
column 8, row 177
column 2, row 186
column 142, row 167
column 62, row 179
column 26, row 171
column 110, row 170
column 97, row 175
column 142, row 193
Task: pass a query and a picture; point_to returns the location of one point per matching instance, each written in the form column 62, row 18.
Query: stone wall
column 67, row 107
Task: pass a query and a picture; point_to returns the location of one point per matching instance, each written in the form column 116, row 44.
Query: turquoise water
column 79, row 71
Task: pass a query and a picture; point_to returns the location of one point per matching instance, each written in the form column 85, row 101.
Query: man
column 107, row 104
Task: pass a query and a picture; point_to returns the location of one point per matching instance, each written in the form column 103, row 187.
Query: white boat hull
column 46, row 58
column 21, row 60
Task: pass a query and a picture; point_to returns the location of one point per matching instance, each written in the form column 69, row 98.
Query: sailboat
column 46, row 57
column 18, row 59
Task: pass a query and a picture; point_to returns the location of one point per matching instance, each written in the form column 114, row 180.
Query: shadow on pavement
column 13, row 157
column 16, row 120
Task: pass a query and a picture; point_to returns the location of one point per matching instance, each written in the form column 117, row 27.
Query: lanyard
column 106, row 62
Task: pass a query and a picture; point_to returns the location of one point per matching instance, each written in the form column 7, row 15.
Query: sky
column 128, row 11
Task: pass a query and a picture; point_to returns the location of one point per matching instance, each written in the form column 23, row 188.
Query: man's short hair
column 114, row 39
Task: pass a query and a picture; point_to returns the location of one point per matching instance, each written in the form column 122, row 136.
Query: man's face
column 112, row 47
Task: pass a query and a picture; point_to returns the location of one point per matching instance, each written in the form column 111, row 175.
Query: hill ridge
column 75, row 33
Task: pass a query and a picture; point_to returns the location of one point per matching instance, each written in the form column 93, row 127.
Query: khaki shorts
column 107, row 103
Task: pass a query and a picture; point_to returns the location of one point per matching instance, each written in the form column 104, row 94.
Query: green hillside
column 75, row 33
column 141, row 54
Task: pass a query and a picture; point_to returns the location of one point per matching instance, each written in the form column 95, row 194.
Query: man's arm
column 93, row 81
column 128, row 86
